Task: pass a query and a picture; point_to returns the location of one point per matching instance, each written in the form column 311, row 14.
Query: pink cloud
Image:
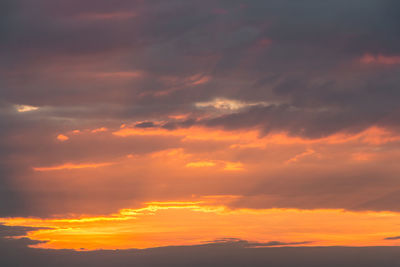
column 380, row 59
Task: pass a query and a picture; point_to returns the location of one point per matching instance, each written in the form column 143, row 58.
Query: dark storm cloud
column 312, row 47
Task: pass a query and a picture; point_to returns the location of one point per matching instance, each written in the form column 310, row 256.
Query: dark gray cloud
column 313, row 48
column 145, row 124
column 247, row 244
column 352, row 187
column 392, row 238
column 15, row 231
column 10, row 238
column 388, row 201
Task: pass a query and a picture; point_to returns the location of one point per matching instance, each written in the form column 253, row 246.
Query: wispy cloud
column 72, row 166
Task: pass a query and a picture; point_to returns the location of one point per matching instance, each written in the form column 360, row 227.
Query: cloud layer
column 108, row 106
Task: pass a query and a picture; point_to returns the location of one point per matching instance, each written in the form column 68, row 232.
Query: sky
column 269, row 126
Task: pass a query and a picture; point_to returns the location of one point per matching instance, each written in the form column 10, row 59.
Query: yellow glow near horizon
column 195, row 222
column 188, row 168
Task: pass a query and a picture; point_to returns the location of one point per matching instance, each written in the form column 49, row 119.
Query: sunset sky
column 188, row 124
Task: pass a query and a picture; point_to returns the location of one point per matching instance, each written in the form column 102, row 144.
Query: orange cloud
column 102, row 129
column 301, row 155
column 252, row 139
column 71, row 166
column 201, row 160
column 233, row 166
column 201, row 164
column 199, row 79
column 180, row 155
column 179, row 117
column 194, row 133
column 62, row 137
column 361, row 156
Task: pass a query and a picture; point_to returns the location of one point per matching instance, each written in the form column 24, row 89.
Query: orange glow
column 71, row 166
column 195, row 222
column 141, row 124
column 362, row 156
column 194, row 133
column 301, row 155
column 179, row 117
column 197, row 80
column 62, row 137
column 200, row 160
column 233, row 166
column 102, row 129
column 201, row 164
column 251, row 138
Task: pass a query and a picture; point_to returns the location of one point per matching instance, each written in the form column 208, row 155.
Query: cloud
column 380, row 59
column 198, row 164
column 213, row 254
column 145, row 124
column 227, row 105
column 12, row 237
column 62, row 137
column 248, row 244
column 306, row 153
column 196, row 59
column 233, row 166
column 26, row 108
column 392, row 238
column 15, row 231
column 71, row 166
column 244, row 87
